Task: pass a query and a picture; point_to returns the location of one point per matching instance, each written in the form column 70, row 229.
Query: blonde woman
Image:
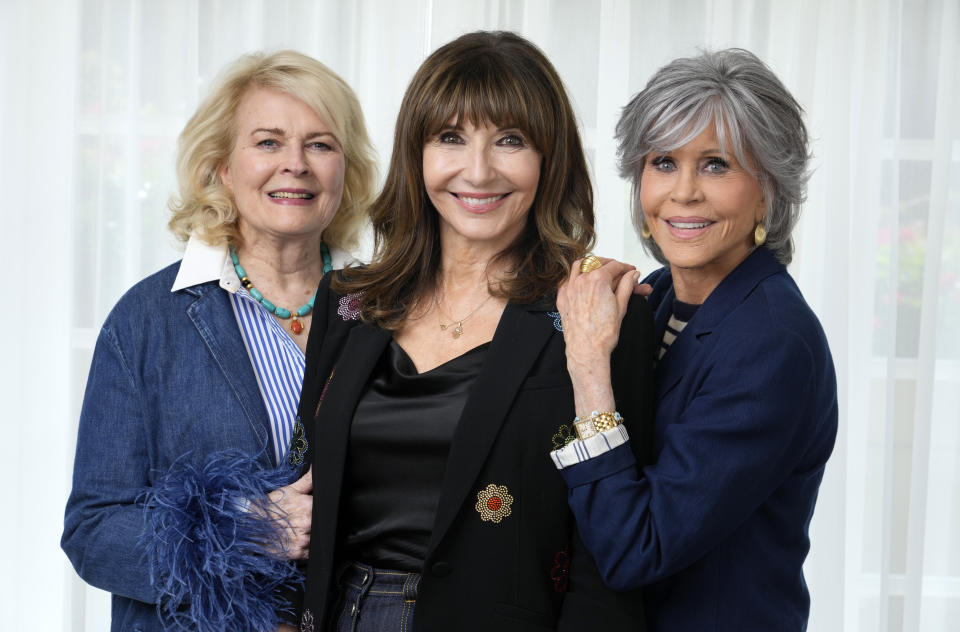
column 186, row 503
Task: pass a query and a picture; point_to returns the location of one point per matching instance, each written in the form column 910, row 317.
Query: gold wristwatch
column 596, row 423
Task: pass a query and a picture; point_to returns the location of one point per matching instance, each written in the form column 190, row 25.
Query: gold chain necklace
column 458, row 330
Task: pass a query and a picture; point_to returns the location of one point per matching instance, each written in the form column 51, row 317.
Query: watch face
column 585, row 428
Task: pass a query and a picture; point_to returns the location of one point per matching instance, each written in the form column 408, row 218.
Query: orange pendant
column 296, row 326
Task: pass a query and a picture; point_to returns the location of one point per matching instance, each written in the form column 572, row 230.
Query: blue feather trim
column 207, row 552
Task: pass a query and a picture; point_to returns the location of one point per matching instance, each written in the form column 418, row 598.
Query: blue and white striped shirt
column 277, row 362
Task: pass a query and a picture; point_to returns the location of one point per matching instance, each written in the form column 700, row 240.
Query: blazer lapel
column 725, row 298
column 669, row 369
column 213, row 317
column 517, row 343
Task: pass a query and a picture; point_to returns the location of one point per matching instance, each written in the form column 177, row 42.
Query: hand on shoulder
column 592, row 305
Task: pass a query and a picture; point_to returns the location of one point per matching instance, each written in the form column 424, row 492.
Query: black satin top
column 399, row 441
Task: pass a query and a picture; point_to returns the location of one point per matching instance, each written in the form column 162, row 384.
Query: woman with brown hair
column 436, row 375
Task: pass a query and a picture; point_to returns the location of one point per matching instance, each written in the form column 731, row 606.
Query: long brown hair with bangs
column 484, row 77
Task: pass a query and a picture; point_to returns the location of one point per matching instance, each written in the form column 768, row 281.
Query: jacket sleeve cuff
column 580, row 450
column 602, row 466
column 207, row 548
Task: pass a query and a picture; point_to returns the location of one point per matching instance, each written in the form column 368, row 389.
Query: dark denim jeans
column 374, row 600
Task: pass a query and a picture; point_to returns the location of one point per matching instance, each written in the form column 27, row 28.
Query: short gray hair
column 752, row 110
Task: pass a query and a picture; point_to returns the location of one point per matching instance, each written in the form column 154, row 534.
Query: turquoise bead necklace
column 295, row 325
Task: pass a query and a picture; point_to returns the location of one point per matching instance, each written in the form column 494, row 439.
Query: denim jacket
column 170, row 379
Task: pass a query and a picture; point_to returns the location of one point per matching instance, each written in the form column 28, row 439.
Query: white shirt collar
column 203, row 263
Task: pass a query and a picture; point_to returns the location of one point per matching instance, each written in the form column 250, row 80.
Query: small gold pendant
column 457, row 331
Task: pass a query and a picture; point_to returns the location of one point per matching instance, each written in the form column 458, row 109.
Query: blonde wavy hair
column 204, row 206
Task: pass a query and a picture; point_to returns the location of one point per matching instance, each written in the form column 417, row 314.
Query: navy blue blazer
column 745, row 419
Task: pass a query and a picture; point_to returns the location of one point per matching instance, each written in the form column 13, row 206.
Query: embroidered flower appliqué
column 350, row 306
column 306, row 621
column 560, row 573
column 557, row 323
column 563, row 436
column 493, row 503
column 298, row 444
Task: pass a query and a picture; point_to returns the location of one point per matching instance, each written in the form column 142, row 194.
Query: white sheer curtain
column 94, row 92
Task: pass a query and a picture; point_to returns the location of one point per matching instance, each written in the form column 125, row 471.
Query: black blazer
column 529, row 571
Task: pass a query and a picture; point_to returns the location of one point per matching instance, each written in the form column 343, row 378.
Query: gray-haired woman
column 746, row 408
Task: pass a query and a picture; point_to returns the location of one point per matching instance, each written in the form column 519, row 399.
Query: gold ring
column 590, row 263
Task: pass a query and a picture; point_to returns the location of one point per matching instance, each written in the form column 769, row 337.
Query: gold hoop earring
column 759, row 234
column 645, row 230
